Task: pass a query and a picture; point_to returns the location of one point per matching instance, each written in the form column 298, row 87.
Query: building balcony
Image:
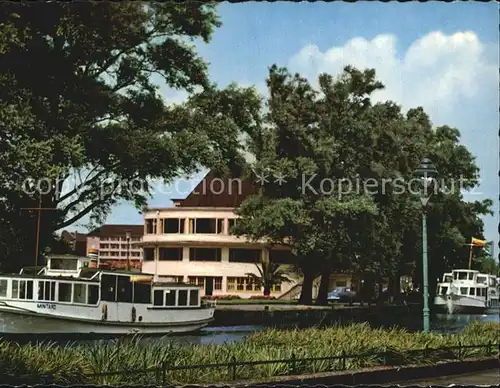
column 194, row 239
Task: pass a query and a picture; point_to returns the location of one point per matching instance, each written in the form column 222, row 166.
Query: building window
column 197, row 281
column 205, row 254
column 231, row 225
column 276, row 288
column 151, row 226
column 104, row 246
column 238, row 255
column 175, row 279
column 206, row 225
column 170, row 254
column 281, row 256
column 218, row 283
column 149, row 254
column 173, row 225
column 241, row 284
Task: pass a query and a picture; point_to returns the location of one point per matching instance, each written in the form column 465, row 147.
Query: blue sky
column 443, row 56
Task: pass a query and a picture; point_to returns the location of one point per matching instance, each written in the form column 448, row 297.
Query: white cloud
column 453, row 77
column 436, row 72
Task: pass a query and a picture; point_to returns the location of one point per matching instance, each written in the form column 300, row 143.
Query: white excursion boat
column 467, row 291
column 68, row 296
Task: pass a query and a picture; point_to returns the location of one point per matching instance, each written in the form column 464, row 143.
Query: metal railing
column 387, row 357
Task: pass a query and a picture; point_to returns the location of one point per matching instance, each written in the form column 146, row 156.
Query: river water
column 439, row 322
column 226, row 334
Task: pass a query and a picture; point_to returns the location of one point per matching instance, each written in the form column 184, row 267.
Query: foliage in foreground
column 69, row 365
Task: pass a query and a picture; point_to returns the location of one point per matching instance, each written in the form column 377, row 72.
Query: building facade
column 192, row 242
column 117, row 246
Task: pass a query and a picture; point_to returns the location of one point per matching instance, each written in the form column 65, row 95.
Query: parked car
column 342, row 294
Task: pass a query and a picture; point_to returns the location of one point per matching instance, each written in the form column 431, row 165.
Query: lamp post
column 128, row 235
column 426, row 171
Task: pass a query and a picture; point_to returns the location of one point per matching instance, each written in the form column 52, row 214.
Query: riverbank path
column 487, row 377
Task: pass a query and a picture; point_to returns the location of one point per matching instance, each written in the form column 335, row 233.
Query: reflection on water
column 228, row 334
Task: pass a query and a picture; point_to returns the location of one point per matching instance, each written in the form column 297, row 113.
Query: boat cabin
column 478, row 290
column 94, row 285
column 464, row 275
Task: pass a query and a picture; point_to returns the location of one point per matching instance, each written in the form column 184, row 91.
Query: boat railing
column 208, row 303
column 33, row 270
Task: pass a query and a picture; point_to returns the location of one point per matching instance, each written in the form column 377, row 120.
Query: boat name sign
column 50, row 306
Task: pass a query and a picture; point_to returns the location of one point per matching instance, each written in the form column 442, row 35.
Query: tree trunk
column 267, row 290
column 307, row 285
column 322, row 299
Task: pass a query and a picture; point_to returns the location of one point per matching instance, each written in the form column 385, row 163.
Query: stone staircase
column 294, row 292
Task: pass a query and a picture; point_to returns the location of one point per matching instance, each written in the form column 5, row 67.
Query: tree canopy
column 334, row 149
column 82, row 118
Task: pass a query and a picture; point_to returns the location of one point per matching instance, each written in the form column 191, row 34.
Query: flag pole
column 470, row 253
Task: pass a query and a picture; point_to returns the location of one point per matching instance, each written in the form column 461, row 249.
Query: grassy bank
column 70, row 364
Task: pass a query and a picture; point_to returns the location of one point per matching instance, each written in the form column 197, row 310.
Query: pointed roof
column 214, row 191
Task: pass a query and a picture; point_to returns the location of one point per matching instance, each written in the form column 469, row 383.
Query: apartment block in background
column 117, row 245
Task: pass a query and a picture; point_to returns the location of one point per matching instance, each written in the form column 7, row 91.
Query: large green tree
column 81, row 114
column 370, row 223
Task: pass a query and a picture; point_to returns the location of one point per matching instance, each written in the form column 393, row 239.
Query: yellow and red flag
column 477, row 242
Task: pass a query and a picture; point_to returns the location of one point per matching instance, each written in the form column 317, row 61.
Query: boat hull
column 19, row 322
column 453, row 304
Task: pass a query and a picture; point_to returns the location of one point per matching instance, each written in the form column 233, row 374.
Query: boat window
column 15, row 289
column 493, row 282
column 448, row 278
column 479, row 291
column 64, row 294
column 93, row 294
column 472, row 291
column 471, row 276
column 29, row 289
column 80, row 293
column 46, row 290
column 481, row 279
column 3, row 287
column 108, row 288
column 64, row 264
column 463, row 290
column 462, row 276
column 170, row 298
column 158, row 297
column 26, row 289
column 142, row 292
column 193, row 297
column 182, row 298
column 124, row 289
column 444, row 290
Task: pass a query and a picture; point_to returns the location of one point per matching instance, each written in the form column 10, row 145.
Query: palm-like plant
column 269, row 274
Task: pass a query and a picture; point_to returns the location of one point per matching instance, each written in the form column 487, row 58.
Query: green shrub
column 73, row 364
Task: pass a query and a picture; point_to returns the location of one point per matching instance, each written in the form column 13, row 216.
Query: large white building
column 192, row 241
